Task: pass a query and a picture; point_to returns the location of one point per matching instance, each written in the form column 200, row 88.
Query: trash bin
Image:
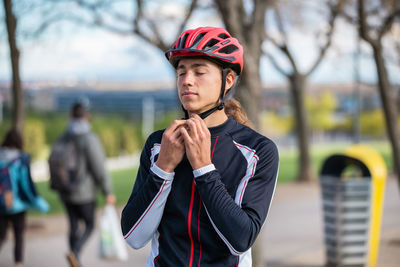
column 352, row 186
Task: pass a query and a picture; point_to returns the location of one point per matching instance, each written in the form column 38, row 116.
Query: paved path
column 292, row 236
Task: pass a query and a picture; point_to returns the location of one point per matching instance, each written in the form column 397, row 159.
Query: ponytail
column 234, row 109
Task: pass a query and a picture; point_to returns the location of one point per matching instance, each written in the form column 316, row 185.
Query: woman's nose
column 187, row 79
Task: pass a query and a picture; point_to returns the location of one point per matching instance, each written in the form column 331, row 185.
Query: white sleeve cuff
column 203, row 170
column 161, row 173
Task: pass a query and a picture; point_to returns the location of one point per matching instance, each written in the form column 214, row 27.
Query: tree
column 17, row 94
column 247, row 25
column 385, row 13
column 298, row 79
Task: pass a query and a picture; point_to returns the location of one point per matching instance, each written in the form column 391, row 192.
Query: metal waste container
column 352, row 186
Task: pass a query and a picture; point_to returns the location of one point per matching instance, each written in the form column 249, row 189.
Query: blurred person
column 204, row 184
column 90, row 174
column 15, row 166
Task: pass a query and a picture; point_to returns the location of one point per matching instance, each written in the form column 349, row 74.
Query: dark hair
column 234, row 109
column 13, row 139
column 78, row 111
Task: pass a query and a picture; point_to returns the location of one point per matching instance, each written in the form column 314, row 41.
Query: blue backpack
column 17, row 190
column 6, row 190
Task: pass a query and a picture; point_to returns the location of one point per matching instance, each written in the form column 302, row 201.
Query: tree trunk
column 250, row 94
column 297, row 87
column 249, row 91
column 389, row 107
column 18, row 108
column 249, row 30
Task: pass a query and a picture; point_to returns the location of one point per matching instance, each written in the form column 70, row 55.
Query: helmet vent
column 223, row 36
column 198, row 39
column 229, row 49
column 211, row 43
column 183, row 41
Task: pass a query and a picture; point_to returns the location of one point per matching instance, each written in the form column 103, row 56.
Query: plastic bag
column 112, row 244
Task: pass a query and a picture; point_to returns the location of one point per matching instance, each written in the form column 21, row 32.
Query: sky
column 71, row 53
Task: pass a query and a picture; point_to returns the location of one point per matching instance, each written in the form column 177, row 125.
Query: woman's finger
column 201, row 126
column 174, row 126
column 185, row 135
column 193, row 128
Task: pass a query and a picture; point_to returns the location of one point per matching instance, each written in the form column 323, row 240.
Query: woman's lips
column 188, row 94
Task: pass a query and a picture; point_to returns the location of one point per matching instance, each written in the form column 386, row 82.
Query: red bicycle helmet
column 212, row 42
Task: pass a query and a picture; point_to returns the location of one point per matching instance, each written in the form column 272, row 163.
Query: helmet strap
column 185, row 112
column 221, row 104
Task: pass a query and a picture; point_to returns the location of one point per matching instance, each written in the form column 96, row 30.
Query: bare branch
column 285, row 50
column 334, row 10
column 363, row 25
column 389, row 22
column 157, row 40
column 97, row 21
column 260, row 7
column 110, row 27
column 187, row 17
column 279, row 23
column 139, row 14
column 137, row 30
column 233, row 18
column 349, row 18
column 275, row 63
column 283, row 46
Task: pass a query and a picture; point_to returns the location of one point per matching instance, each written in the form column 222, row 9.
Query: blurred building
column 112, row 100
column 129, row 98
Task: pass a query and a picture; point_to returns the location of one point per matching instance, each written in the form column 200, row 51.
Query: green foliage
column 163, row 121
column 129, row 140
column 34, row 137
column 4, row 127
column 320, row 111
column 55, row 125
column 372, row 123
column 345, row 125
column 117, row 134
column 110, row 141
column 288, row 158
column 122, row 181
column 274, row 125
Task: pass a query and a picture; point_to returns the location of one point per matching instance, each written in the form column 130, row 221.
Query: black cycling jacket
column 207, row 217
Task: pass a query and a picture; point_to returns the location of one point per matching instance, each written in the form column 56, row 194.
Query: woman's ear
column 230, row 80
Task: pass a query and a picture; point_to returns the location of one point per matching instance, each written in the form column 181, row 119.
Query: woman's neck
column 216, row 118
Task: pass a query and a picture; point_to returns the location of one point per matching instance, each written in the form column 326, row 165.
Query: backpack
column 6, row 192
column 63, row 164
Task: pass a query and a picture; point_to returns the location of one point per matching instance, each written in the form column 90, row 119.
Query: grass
column 289, row 158
column 123, row 180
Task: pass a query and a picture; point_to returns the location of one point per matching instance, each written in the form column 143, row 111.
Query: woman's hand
column 110, row 199
column 197, row 140
column 172, row 147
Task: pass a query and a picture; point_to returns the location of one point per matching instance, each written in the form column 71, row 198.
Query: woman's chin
column 191, row 109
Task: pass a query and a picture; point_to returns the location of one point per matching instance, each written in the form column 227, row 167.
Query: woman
column 204, row 184
column 24, row 194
